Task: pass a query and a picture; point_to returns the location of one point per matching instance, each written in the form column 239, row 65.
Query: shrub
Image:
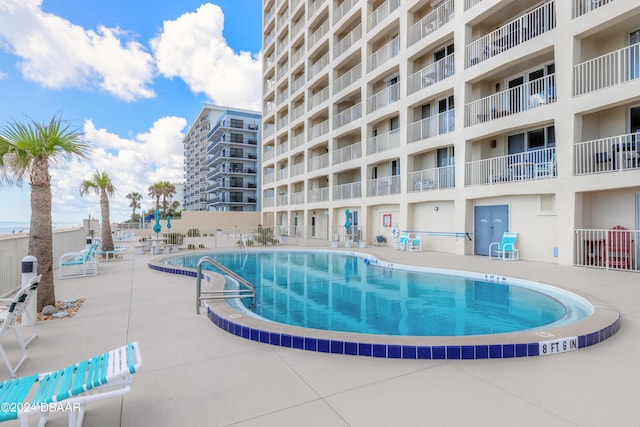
column 193, row 232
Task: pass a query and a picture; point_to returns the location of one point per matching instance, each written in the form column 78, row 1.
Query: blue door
column 489, row 223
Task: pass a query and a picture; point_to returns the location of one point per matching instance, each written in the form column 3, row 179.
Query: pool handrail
column 221, row 293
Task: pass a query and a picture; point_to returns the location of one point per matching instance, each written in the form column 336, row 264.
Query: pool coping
column 602, row 324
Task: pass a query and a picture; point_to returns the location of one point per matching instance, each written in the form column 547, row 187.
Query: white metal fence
column 432, row 179
column 524, row 166
column 608, row 70
column 611, row 249
column 434, row 20
column 431, row 126
column 431, row 74
column 581, row 7
column 612, row 154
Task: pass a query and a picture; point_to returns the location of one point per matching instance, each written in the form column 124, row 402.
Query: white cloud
column 133, row 165
column 192, row 48
column 58, row 54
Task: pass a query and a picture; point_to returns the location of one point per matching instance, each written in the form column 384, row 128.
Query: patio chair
column 546, row 169
column 9, row 318
column 618, row 252
column 401, row 243
column 82, row 263
column 101, row 377
column 505, row 249
column 415, row 245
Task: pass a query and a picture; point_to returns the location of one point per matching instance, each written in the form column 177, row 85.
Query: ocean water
column 10, row 227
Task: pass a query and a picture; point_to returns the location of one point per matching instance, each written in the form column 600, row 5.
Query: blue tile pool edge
column 389, row 351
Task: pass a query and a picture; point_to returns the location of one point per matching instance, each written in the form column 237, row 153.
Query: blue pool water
column 344, row 292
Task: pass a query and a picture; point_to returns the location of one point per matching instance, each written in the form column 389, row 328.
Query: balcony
column 282, row 200
column 318, row 98
column 432, row 179
column 607, row 155
column 347, row 78
column 269, row 178
column 297, row 198
column 268, row 202
column 378, row 15
column 347, row 116
column 352, row 190
column 431, row 74
column 427, row 25
column 347, row 41
column 297, row 140
column 526, row 27
column 526, row 166
column 429, row 127
column 381, row 99
column 582, row 7
column 318, row 162
column 318, row 66
column 315, row 5
column 608, row 70
column 383, row 186
column 350, row 152
column 534, row 94
column 297, row 112
column 383, row 142
column 297, row 169
column 318, row 34
column 384, row 54
column 468, row 4
column 319, row 129
column 341, row 10
column 317, row 195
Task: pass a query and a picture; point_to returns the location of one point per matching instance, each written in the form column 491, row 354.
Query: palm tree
column 135, row 203
column 101, row 185
column 27, row 149
column 167, row 190
column 155, row 190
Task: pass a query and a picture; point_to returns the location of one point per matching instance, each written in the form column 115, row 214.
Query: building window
column 236, row 123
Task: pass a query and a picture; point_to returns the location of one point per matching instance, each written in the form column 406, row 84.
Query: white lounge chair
column 401, row 243
column 9, row 319
column 82, row 263
column 101, row 377
column 505, row 249
column 415, row 245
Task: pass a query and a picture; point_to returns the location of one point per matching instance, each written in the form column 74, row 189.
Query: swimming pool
column 333, row 300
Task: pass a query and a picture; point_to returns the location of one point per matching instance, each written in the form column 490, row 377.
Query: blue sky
column 131, row 75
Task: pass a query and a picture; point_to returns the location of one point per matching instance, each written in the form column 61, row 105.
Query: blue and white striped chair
column 101, row 377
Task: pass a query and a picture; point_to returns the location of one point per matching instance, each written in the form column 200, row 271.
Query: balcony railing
column 268, row 202
column 297, row 198
column 283, row 147
column 347, row 78
column 269, row 178
column 319, row 33
column 383, row 186
column 282, row 70
column 611, row 249
column 297, row 140
column 432, row 126
column 341, row 10
column 383, row 54
column 347, row 116
column 612, row 154
column 533, row 94
column 350, row 152
column 318, row 66
column 347, row 41
column 427, row 25
column 318, row 162
column 297, row 84
column 531, row 25
column 282, row 174
column 468, row 4
column 581, row 7
column 386, row 96
column 299, row 25
column 608, row 70
column 297, row 112
column 318, row 195
column 432, row 179
column 352, row 190
column 431, row 74
column 318, row 98
column 383, row 142
column 297, row 169
column 282, row 200
column 269, row 155
column 297, row 55
column 314, row 6
column 319, row 129
column 382, row 12
column 526, row 166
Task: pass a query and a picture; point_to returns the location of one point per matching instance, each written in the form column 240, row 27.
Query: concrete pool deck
column 195, row 374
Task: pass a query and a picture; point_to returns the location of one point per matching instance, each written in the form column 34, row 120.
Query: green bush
column 174, row 238
column 191, row 246
column 193, row 232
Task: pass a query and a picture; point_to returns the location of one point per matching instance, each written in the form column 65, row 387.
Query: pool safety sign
column 558, row 346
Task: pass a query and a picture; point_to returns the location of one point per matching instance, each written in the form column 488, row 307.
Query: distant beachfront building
column 222, row 160
column 457, row 120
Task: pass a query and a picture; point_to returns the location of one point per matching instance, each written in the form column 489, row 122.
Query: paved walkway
column 194, row 374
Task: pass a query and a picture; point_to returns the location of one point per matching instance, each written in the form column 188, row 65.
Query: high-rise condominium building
column 456, row 120
column 222, row 160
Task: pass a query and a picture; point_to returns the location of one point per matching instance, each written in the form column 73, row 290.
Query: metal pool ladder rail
column 248, row 292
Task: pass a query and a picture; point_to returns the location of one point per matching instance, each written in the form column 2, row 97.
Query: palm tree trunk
column 107, row 238
column 41, row 232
